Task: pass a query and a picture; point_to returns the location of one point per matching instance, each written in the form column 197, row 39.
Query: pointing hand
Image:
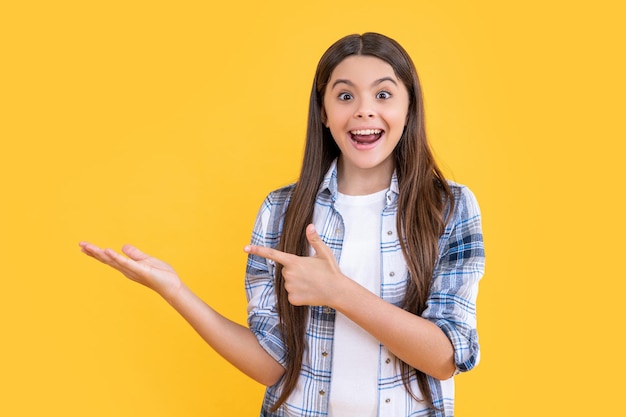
column 309, row 280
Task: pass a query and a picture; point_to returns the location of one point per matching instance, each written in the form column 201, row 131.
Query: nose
column 365, row 110
column 364, row 115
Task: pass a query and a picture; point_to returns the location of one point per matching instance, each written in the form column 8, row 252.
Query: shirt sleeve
column 461, row 264
column 263, row 317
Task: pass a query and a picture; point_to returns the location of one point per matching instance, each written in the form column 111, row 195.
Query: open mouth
column 366, row 136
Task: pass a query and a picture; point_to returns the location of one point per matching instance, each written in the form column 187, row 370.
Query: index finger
column 269, row 253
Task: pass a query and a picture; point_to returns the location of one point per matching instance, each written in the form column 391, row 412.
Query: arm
column 415, row 340
column 234, row 342
column 317, row 280
column 452, row 299
column 442, row 341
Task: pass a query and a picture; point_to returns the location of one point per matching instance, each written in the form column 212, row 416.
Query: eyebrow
column 351, row 84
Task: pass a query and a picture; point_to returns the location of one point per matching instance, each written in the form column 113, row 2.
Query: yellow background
column 164, row 124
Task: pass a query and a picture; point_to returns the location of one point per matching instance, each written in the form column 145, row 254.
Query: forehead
column 362, row 69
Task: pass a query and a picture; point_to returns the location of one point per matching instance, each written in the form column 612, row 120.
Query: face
column 365, row 107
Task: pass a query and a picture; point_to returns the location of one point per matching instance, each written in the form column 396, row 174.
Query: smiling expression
column 365, row 107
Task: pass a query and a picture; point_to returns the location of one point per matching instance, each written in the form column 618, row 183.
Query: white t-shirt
column 354, row 381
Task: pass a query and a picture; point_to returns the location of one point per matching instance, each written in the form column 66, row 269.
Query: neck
column 353, row 180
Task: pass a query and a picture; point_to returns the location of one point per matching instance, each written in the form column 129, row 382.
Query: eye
column 383, row 95
column 345, row 96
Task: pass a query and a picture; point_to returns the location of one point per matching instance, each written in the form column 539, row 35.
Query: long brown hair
column 423, row 194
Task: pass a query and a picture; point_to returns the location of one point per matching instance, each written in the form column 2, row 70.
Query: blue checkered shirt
column 451, row 304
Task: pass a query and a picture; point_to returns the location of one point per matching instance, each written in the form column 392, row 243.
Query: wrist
column 173, row 293
column 341, row 291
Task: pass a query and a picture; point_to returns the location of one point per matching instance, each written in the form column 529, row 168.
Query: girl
column 362, row 277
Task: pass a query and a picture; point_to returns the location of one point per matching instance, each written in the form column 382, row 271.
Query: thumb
column 321, row 249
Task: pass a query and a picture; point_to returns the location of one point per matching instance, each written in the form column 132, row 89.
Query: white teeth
column 366, row 132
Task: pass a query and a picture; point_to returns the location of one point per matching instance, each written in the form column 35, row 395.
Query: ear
column 406, row 118
column 324, row 117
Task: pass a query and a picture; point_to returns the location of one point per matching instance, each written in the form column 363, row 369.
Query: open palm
column 138, row 266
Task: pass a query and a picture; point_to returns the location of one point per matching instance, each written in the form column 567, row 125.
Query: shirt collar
column 329, row 185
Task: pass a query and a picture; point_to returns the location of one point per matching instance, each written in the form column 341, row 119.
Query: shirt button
column 391, row 274
column 324, row 354
column 389, row 232
column 388, row 360
column 337, row 231
column 327, row 310
column 322, row 392
column 388, row 400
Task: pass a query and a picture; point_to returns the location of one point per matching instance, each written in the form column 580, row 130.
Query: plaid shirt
column 451, row 304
